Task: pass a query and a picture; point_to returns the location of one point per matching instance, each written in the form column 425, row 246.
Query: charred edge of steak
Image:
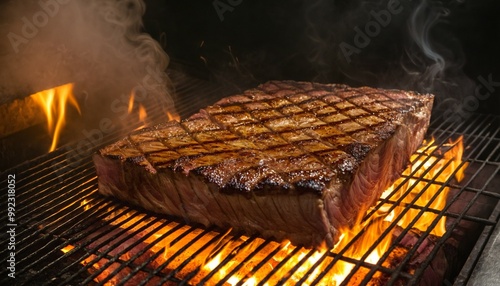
column 288, row 159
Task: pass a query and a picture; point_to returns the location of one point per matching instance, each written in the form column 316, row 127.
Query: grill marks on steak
column 307, row 158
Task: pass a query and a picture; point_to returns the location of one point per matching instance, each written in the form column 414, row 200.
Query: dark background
column 257, row 41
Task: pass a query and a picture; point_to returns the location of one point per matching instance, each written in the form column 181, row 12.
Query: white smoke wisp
column 434, row 59
column 421, row 18
column 420, row 24
column 97, row 44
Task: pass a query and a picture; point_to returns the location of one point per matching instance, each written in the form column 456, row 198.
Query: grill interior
column 58, row 207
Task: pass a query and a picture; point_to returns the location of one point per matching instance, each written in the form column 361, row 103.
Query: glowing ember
column 67, row 248
column 85, row 204
column 53, row 102
column 209, row 257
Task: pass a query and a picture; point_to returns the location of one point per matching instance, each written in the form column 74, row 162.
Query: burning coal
column 99, row 46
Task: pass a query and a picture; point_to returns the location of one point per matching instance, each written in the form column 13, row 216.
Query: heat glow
column 243, row 261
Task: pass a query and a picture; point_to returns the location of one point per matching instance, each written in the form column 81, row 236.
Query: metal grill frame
column 49, row 199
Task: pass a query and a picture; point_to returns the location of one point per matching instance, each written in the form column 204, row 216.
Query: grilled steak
column 288, row 160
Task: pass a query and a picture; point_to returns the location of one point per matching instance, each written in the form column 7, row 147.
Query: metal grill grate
column 106, row 241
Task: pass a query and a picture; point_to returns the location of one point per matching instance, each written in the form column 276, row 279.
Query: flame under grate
column 68, row 234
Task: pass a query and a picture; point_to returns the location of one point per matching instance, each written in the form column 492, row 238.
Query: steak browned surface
column 288, row 160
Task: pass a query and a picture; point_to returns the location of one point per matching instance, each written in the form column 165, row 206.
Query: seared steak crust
column 290, row 160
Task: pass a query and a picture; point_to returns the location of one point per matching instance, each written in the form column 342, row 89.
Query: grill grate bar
column 456, row 186
column 36, row 166
column 264, row 261
column 404, row 232
column 240, row 265
column 52, row 194
column 469, row 130
column 226, row 260
column 152, row 258
column 480, row 151
column 33, row 233
column 218, row 250
column 40, row 253
column 111, row 277
column 141, row 267
column 124, row 251
column 46, row 194
column 98, row 213
column 417, row 179
column 443, row 239
column 280, row 264
column 384, row 257
column 297, row 266
column 316, row 265
column 465, row 273
column 44, row 163
column 342, row 252
column 119, row 231
column 55, row 249
column 181, row 250
column 448, row 233
column 452, row 215
column 43, row 215
column 420, row 240
column 41, row 231
column 75, row 238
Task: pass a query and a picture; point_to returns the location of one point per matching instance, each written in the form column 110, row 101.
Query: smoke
column 434, row 59
column 408, row 45
column 353, row 42
column 422, row 20
column 97, row 44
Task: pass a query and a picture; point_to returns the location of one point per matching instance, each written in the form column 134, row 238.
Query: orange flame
column 142, row 113
column 53, row 102
column 438, row 167
column 430, row 164
column 173, row 116
column 131, row 103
